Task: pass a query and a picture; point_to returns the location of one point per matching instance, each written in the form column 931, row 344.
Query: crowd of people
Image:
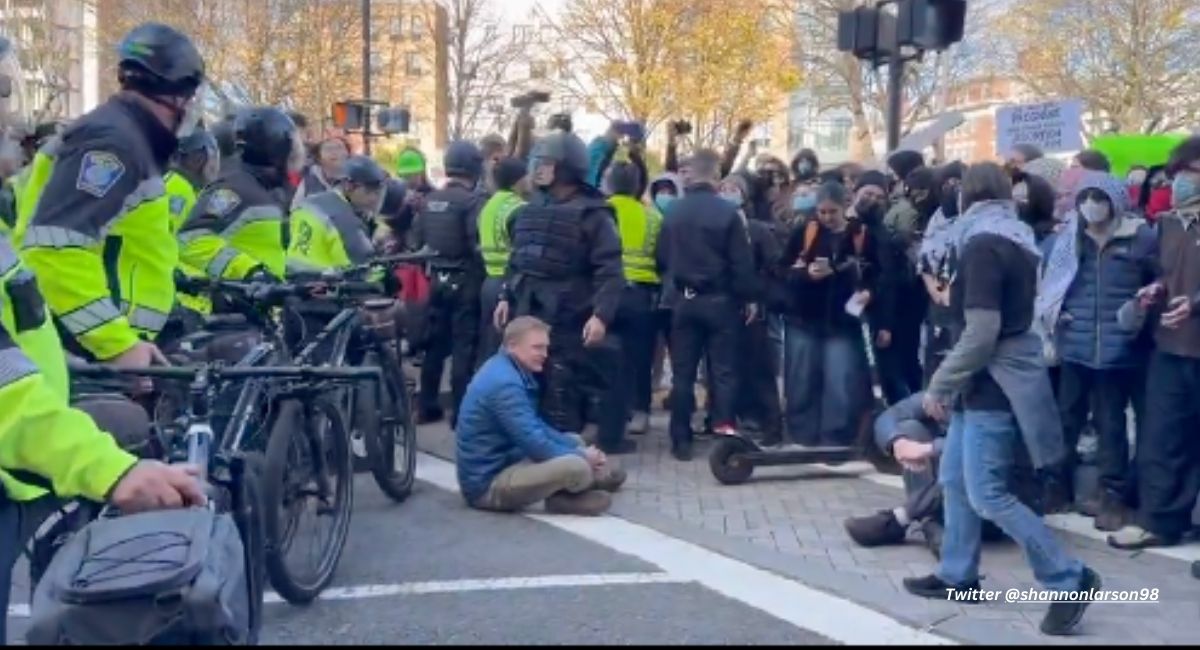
column 1010, row 308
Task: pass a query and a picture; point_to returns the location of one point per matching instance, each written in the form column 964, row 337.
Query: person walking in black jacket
column 705, row 250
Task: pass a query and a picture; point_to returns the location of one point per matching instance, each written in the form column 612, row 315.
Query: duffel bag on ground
column 162, row 578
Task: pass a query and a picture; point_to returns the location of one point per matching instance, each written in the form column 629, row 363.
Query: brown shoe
column 613, row 482
column 587, row 504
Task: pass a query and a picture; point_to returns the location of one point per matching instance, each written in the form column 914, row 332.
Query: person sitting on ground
column 906, row 433
column 508, row 457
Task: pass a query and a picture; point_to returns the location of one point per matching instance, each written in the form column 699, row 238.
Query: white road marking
column 365, row 592
column 1071, row 523
column 804, row 607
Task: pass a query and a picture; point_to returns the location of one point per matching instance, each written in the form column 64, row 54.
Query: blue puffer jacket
column 498, row 427
column 1087, row 332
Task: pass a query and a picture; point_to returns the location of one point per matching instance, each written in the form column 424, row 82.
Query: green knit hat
column 410, row 162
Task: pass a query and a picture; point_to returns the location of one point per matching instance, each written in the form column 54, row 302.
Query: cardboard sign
column 1054, row 127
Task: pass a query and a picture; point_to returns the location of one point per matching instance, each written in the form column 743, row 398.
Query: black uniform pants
column 489, row 337
column 1169, row 451
column 757, row 372
column 579, row 385
column 636, row 326
column 704, row 325
column 454, row 334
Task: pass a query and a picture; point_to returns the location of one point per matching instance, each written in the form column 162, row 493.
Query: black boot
column 1063, row 617
column 430, row 415
column 933, row 588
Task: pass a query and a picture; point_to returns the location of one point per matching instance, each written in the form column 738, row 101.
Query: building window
column 412, row 64
column 398, row 27
column 522, row 33
column 376, row 62
column 416, row 26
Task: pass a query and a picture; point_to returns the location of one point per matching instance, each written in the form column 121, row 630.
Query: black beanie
column 872, row 177
column 903, row 163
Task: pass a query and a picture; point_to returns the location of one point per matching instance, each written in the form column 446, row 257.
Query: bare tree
column 48, row 47
column 480, row 54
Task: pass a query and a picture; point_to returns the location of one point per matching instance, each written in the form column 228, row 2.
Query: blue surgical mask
column 1183, row 189
column 732, row 198
column 804, row 203
column 663, row 201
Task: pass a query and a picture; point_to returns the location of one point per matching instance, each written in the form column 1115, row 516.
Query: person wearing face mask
column 805, row 167
column 322, row 176
column 1094, row 266
column 1035, row 198
column 889, row 253
column 903, row 218
column 758, row 357
column 235, row 232
column 94, row 221
column 565, row 269
column 1155, row 195
column 664, row 192
column 1168, row 451
column 706, row 252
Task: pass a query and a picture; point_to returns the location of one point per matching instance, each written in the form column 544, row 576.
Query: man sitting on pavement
column 508, row 457
column 915, row 440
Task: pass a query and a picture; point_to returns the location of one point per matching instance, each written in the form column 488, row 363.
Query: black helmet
column 463, row 159
column 567, row 152
column 264, row 137
column 393, row 198
column 224, row 132
column 362, row 170
column 158, row 60
column 200, row 141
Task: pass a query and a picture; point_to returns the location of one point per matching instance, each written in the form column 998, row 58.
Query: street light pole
column 895, row 98
column 366, row 79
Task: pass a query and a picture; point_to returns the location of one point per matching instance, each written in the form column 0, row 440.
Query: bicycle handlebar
column 221, row 372
column 274, row 294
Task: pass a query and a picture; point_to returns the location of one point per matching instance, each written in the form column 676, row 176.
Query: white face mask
column 1094, row 212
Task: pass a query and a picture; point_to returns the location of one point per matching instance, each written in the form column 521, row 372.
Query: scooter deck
column 805, row 456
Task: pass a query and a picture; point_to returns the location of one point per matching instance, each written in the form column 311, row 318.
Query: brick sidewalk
column 792, row 517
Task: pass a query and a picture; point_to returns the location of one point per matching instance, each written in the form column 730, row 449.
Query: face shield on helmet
column 542, row 172
column 190, row 113
column 212, row 164
column 298, row 156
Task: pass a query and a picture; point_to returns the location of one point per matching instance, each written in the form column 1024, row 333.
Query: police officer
column 197, row 163
column 639, row 228
column 46, row 444
column 332, row 230
column 448, row 224
column 706, row 251
column 94, row 221
column 565, row 269
column 508, row 176
column 236, row 229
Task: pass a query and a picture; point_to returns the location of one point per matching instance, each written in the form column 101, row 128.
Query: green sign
column 1125, row 151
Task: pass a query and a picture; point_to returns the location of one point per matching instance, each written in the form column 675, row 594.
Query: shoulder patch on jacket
column 177, row 204
column 99, row 172
column 223, row 202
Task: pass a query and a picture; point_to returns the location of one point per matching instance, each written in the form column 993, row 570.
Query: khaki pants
column 528, row 483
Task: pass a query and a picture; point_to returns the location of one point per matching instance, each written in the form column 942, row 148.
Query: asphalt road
column 431, row 571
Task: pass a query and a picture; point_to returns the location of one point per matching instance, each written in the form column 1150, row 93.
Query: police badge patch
column 223, row 202
column 99, row 172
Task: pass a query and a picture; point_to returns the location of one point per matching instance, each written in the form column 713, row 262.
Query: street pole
column 366, row 80
column 895, row 98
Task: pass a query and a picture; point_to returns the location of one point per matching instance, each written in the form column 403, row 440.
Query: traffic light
column 931, row 24
column 349, row 116
column 867, row 32
column 394, row 120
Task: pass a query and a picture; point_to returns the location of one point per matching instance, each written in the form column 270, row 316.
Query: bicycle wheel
column 392, row 432
column 308, row 464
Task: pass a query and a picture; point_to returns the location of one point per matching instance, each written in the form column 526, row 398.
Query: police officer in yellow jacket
column 638, row 226
column 46, row 444
column 333, row 230
column 196, row 164
column 509, row 178
column 236, row 228
column 94, row 222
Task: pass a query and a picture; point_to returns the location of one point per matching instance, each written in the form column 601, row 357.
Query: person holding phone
column 1169, row 453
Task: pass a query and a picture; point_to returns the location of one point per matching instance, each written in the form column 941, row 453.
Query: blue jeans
column 826, row 385
column 975, row 465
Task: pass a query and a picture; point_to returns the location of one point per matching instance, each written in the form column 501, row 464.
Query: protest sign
column 1054, row 127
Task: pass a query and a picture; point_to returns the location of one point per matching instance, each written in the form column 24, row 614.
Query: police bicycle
column 365, row 332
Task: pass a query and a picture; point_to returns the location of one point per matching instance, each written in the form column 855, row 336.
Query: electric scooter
column 735, row 456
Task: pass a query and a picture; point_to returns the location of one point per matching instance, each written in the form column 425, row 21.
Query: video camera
column 530, row 99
